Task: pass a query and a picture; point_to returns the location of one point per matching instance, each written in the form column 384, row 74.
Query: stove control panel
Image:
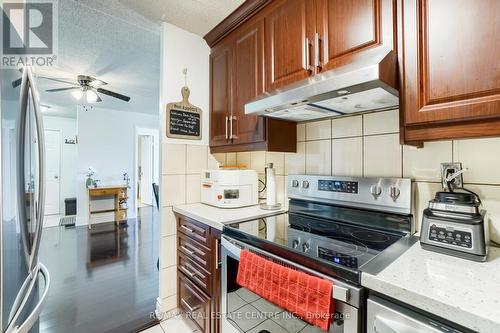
column 338, row 186
column 382, row 194
column 337, row 257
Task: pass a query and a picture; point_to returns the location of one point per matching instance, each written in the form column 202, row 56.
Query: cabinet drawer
column 194, row 230
column 195, row 251
column 197, row 274
column 102, row 192
column 194, row 303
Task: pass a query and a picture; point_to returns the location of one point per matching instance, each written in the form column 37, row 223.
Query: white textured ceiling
column 197, row 16
column 110, row 41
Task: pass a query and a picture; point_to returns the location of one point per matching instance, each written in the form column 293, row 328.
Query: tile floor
column 173, row 325
column 250, row 313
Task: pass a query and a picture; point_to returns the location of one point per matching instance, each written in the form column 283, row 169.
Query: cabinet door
column 289, row 33
column 450, row 60
column 248, row 82
column 220, row 94
column 194, row 302
column 347, row 28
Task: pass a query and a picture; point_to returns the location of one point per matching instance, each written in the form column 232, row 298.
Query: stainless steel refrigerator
column 24, row 280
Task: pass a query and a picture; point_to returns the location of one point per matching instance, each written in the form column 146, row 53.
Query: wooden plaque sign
column 184, row 119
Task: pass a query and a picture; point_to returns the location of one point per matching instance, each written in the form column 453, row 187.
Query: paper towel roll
column 271, row 187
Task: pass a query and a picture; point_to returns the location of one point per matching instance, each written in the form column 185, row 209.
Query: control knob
column 305, row 247
column 395, row 192
column 295, row 243
column 295, row 183
column 305, row 184
column 376, row 190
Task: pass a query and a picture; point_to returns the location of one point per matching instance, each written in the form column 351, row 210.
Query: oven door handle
column 232, row 249
column 338, row 292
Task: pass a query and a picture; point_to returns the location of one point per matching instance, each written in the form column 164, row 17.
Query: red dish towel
column 306, row 296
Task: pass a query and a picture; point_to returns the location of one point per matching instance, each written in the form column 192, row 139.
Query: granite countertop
column 217, row 217
column 462, row 291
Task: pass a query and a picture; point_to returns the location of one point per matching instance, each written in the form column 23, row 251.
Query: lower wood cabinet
column 199, row 273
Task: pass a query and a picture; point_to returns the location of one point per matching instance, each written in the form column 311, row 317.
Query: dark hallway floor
column 104, row 279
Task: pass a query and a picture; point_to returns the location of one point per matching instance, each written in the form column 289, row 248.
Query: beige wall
column 366, row 145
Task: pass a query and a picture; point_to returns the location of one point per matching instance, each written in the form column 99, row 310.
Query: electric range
column 335, row 225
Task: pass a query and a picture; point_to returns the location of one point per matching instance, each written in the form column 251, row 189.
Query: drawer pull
column 188, row 272
column 191, row 253
column 189, row 307
column 187, row 229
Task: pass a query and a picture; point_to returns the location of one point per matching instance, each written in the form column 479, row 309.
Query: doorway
column 53, row 171
column 145, row 159
column 146, row 166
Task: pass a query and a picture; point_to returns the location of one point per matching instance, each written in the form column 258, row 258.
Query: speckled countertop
column 462, row 291
column 218, row 217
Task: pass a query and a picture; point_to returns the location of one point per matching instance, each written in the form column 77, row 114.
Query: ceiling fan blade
column 17, row 83
column 59, row 80
column 97, row 83
column 113, row 94
column 61, row 89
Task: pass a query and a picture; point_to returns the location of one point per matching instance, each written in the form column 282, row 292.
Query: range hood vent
column 366, row 84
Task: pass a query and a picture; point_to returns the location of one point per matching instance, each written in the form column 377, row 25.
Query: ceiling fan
column 85, row 86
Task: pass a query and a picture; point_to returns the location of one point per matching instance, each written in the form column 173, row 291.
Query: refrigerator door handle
column 40, row 206
column 30, row 249
column 32, row 318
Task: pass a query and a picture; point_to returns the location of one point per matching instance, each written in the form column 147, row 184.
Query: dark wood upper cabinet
column 347, row 27
column 237, row 76
column 289, row 33
column 248, row 76
column 221, row 61
column 450, row 68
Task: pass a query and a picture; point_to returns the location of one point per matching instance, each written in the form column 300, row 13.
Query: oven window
column 248, row 312
column 231, row 194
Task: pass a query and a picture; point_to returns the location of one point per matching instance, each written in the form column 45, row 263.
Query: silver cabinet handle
column 187, row 271
column 188, row 306
column 20, row 304
column 231, row 133
column 188, row 250
column 187, row 229
column 308, row 66
column 317, row 43
column 217, row 262
column 227, row 120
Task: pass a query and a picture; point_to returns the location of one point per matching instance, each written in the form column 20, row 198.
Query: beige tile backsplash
column 366, row 145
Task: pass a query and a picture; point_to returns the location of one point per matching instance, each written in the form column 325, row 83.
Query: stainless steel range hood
column 366, row 84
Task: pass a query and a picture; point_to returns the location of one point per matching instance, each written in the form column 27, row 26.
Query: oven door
column 244, row 311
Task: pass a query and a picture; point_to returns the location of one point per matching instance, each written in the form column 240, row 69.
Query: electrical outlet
column 448, row 169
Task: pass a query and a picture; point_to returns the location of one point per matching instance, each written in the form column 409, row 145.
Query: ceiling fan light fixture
column 77, row 94
column 91, row 96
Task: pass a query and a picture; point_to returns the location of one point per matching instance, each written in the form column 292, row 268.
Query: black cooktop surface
column 335, row 248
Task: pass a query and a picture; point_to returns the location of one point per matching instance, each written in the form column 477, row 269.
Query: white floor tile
column 178, row 324
column 154, row 329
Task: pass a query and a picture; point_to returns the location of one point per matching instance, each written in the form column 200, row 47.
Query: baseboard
column 165, row 310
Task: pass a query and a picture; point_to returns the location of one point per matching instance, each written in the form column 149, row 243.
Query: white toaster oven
column 230, row 188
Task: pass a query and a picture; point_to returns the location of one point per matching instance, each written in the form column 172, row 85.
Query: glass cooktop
column 335, row 248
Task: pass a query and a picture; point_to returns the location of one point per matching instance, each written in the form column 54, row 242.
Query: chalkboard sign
column 184, row 119
column 184, row 123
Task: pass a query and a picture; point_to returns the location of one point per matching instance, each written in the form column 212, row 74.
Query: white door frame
column 61, row 206
column 155, row 133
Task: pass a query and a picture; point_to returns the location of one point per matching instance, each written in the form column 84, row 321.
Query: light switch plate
column 448, row 168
